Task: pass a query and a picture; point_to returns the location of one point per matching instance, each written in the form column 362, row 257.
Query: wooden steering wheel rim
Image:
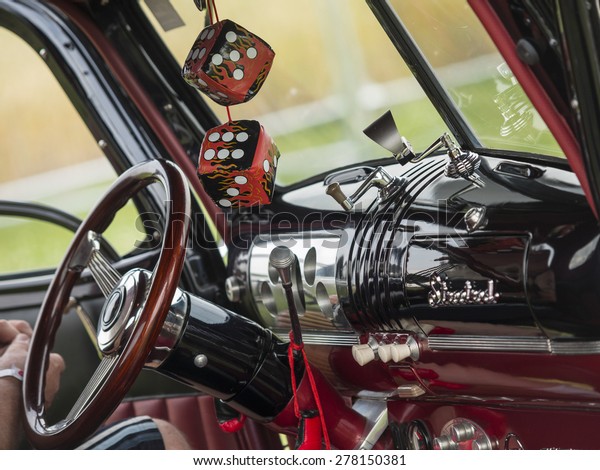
column 163, row 284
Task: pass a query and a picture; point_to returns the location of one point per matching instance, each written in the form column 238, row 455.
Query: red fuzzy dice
column 228, row 63
column 237, row 164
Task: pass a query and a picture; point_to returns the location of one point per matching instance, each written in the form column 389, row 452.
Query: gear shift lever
column 283, row 260
column 312, row 429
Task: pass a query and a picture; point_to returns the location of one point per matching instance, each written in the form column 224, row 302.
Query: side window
column 47, row 156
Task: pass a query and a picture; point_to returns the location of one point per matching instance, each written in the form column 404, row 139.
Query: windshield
column 473, row 74
column 335, row 71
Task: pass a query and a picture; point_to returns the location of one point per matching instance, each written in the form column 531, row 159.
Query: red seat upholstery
column 195, row 417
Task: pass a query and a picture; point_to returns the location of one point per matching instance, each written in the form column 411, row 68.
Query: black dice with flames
column 237, row 164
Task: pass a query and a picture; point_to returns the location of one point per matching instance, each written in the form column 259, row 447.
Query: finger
column 57, row 362
column 57, row 365
column 15, row 353
column 22, row 326
column 7, row 332
column 21, row 338
column 20, row 342
column 19, row 345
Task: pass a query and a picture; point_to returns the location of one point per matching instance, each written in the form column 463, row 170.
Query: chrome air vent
column 313, row 281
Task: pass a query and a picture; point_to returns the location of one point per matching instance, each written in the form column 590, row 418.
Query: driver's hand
column 14, row 353
column 11, row 328
column 14, row 344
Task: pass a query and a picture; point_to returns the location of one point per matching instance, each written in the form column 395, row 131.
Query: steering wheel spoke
column 101, row 373
column 102, row 271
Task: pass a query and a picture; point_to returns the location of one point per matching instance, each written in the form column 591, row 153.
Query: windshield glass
column 474, row 75
column 335, row 71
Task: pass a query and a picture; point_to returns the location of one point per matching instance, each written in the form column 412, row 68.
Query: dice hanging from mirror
column 228, row 63
column 237, row 164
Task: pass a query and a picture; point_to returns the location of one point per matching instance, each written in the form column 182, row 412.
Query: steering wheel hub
column 111, row 309
column 122, row 310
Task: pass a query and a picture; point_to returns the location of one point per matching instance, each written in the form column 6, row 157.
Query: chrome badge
column 440, row 294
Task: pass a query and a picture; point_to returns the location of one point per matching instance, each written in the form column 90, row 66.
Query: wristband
column 12, row 372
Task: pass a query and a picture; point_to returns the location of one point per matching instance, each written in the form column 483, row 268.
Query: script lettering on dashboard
column 440, row 294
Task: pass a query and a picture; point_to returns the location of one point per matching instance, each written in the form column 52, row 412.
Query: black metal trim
column 424, row 73
column 580, row 26
column 42, row 212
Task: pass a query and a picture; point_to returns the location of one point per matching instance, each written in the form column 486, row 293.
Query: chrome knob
column 475, row 218
column 482, row 443
column 234, row 288
column 444, row 443
column 462, row 432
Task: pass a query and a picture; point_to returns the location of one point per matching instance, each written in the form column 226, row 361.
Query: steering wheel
column 135, row 308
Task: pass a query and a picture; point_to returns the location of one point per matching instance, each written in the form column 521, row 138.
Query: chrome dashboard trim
column 516, row 344
column 513, row 344
column 508, row 344
column 573, row 348
column 488, row 343
column 322, row 339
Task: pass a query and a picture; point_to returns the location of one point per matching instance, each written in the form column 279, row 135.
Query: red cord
column 213, row 8
column 209, row 7
column 294, row 386
column 300, row 347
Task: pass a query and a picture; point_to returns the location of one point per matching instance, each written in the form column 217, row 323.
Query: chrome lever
column 379, row 178
column 461, row 164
